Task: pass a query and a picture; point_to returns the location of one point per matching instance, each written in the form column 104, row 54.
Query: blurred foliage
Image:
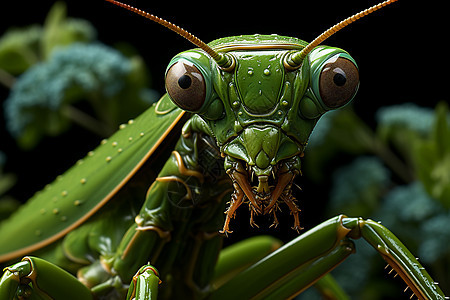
column 7, row 203
column 397, row 173
column 60, row 75
column 20, row 48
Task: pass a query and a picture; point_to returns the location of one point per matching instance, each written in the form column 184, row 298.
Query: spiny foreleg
column 291, row 203
column 236, row 201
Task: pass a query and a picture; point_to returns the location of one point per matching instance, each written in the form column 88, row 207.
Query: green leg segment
column 292, row 268
column 397, row 256
column 330, row 289
column 144, row 285
column 34, row 278
column 237, row 257
column 304, row 261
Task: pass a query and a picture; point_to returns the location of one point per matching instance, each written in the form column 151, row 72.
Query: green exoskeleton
column 143, row 214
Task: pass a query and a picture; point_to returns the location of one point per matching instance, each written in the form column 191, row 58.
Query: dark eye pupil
column 339, row 78
column 338, row 82
column 184, row 81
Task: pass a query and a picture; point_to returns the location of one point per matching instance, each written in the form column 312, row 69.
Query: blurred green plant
column 65, row 76
column 398, row 173
column 20, row 48
column 7, row 203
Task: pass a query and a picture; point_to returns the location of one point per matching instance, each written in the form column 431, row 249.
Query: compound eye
column 186, row 85
column 338, row 82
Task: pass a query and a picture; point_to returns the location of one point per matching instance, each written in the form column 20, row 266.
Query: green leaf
column 7, row 206
column 441, row 130
column 59, row 30
column 357, row 187
column 6, row 182
column 350, row 133
column 432, row 158
column 340, row 131
column 55, row 18
column 436, row 232
column 19, row 49
column 400, row 126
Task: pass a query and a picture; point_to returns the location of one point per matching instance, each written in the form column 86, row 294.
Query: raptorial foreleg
column 35, row 278
column 236, row 201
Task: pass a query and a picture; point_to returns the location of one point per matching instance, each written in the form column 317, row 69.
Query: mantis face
column 260, row 97
column 261, row 112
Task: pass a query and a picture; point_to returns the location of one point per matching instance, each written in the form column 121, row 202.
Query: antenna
column 295, row 60
column 224, row 61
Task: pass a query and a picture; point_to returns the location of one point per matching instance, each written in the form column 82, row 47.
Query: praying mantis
column 134, row 215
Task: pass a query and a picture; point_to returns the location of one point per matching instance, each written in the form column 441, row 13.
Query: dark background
column 401, row 51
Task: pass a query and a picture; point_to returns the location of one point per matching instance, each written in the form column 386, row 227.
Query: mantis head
column 262, row 113
column 260, row 97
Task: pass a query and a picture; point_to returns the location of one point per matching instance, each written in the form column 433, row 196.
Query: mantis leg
column 296, row 266
column 237, row 257
column 176, row 230
column 397, row 256
column 144, row 284
column 35, row 278
column 292, row 268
